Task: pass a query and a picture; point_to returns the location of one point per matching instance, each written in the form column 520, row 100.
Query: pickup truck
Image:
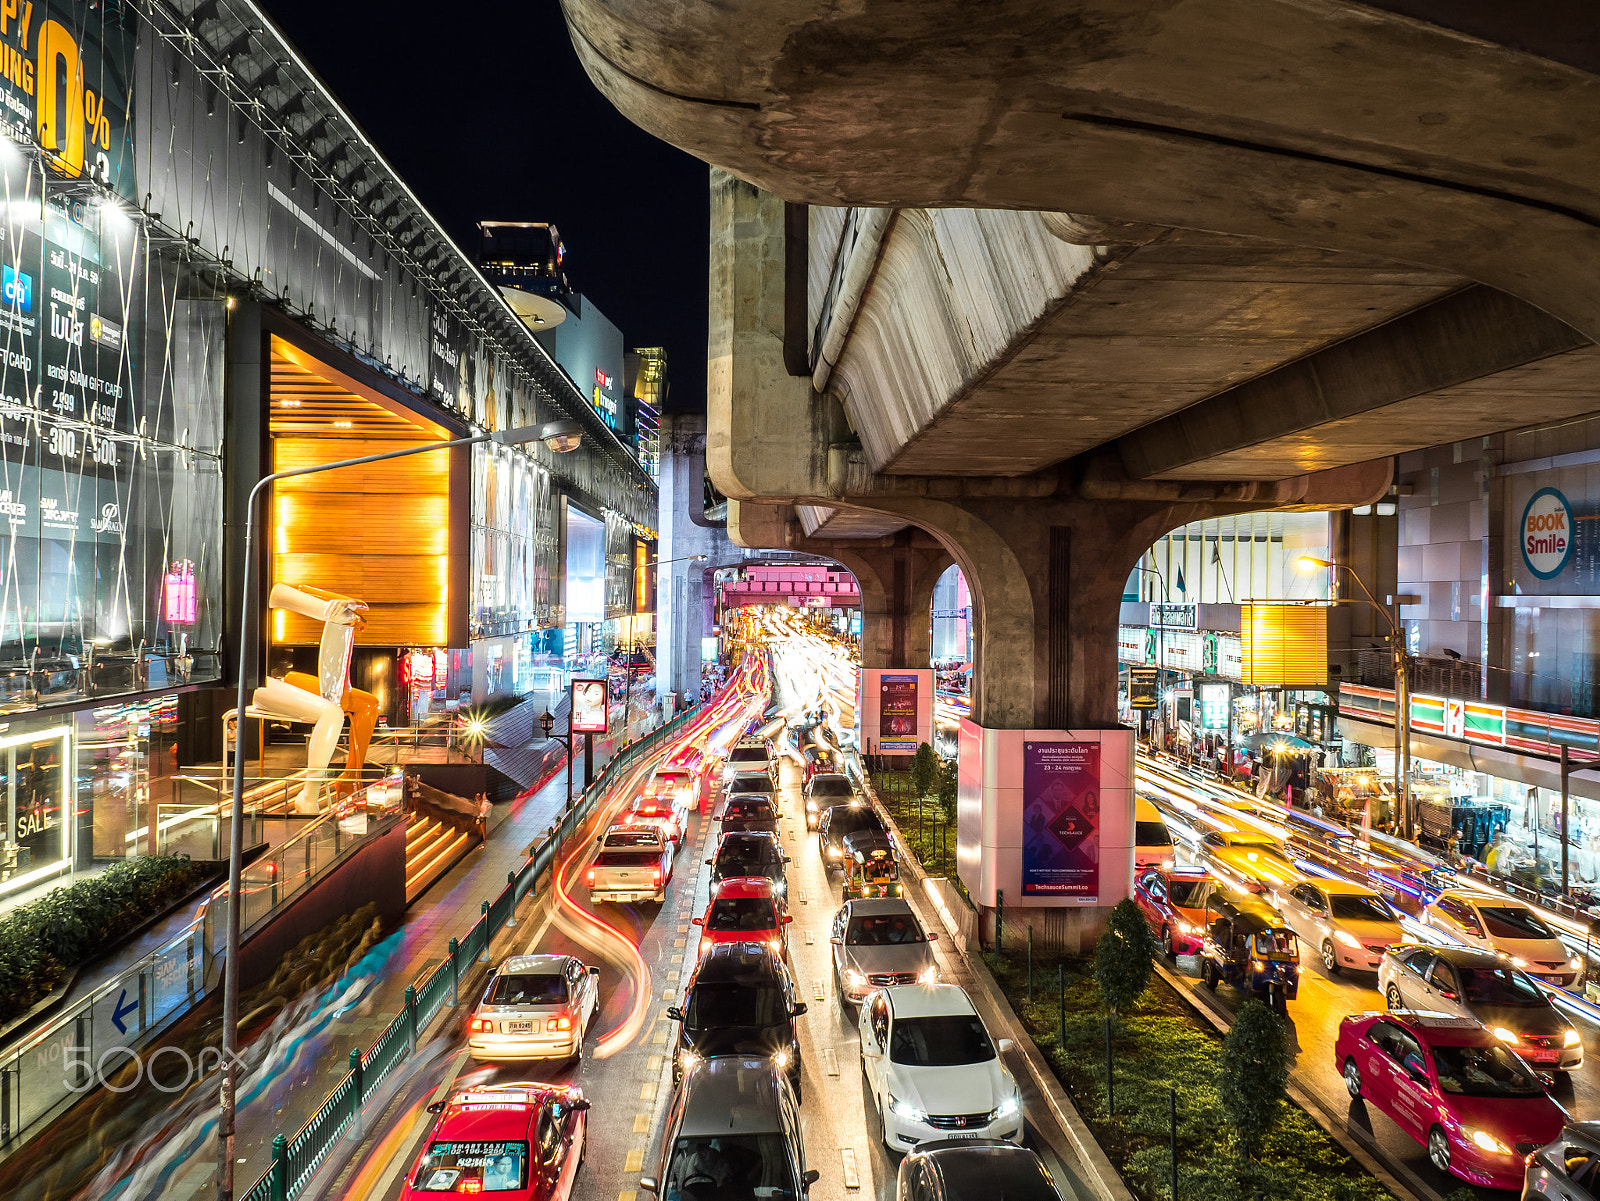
column 634, row 863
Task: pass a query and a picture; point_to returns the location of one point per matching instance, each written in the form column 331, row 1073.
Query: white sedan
column 1508, row 928
column 932, row 1069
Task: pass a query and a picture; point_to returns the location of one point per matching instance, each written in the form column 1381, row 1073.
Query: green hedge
column 916, row 818
column 42, row 941
column 1157, row 1045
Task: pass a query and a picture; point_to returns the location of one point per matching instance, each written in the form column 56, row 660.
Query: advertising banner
column 591, row 706
column 897, row 714
column 1142, row 687
column 1061, row 819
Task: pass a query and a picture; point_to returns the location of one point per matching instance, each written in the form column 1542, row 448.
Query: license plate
column 1551, row 979
column 519, row 1027
column 1545, row 1056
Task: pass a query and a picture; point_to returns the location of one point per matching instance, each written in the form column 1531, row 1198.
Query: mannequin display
column 325, row 698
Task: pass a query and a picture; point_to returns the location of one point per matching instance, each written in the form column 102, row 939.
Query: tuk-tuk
column 1249, row 945
column 870, row 866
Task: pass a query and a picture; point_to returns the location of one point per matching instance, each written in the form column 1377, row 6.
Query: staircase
column 433, row 847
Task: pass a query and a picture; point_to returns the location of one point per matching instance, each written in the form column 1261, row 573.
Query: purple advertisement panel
column 1061, row 819
column 897, row 714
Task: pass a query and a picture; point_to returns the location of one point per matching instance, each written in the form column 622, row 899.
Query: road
column 628, row 1078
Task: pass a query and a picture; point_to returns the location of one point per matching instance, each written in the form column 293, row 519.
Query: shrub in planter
column 1123, row 957
column 1254, row 1075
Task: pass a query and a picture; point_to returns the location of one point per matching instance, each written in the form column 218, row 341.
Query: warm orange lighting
column 1283, row 646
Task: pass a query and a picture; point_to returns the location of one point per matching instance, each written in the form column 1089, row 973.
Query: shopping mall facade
column 209, row 274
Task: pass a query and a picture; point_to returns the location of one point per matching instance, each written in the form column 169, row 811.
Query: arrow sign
column 120, row 1011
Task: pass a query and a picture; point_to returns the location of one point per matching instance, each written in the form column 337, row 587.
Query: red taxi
column 519, row 1142
column 1454, row 1087
column 745, row 909
column 1173, row 901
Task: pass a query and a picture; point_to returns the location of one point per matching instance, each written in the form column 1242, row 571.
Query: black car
column 750, row 811
column 749, row 853
column 825, row 790
column 833, row 824
column 740, row 1001
column 974, row 1170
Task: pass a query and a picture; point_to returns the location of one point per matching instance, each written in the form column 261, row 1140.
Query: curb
column 1353, row 1142
column 1097, row 1167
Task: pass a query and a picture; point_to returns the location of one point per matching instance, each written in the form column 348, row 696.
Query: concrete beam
column 1473, row 333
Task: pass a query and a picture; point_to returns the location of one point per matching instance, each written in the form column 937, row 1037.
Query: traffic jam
column 732, row 832
column 1453, row 1011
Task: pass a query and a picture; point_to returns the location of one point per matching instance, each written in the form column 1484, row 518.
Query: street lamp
column 1402, row 686
column 559, row 436
column 547, row 723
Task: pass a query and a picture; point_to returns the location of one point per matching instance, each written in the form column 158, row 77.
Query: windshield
column 882, row 930
column 1484, row 1072
column 1186, row 894
column 848, row 820
column 762, row 809
column 742, row 853
column 742, row 913
column 1362, row 909
column 747, row 1166
column 940, row 1042
column 1151, row 834
column 671, row 779
column 539, row 989
column 743, row 783
column 1513, row 921
column 824, row 786
column 748, row 754
column 1275, row 942
column 716, row 1006
column 1498, row 986
column 627, row 859
column 498, row 1167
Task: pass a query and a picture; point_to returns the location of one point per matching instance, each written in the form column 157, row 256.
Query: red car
column 1173, row 901
column 521, row 1142
column 745, row 909
column 1454, row 1087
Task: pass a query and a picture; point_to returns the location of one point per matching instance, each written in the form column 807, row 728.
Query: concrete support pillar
column 896, row 576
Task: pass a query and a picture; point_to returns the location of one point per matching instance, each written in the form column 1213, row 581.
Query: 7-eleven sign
column 1455, row 719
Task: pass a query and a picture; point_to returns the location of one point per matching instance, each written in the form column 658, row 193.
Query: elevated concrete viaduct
column 1039, row 283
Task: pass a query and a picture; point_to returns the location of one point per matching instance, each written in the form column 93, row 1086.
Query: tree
column 924, row 767
column 1122, row 957
column 949, row 787
column 1254, row 1075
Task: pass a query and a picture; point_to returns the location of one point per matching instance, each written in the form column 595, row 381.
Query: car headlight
column 1349, row 940
column 811, row 806
column 833, row 852
column 1576, row 963
column 1187, row 927
column 854, row 978
column 909, row 1113
column 1009, row 1108
column 1489, row 1143
column 780, row 887
column 1571, row 1038
column 776, row 946
column 1519, row 962
column 1504, row 1035
column 930, row 975
column 780, row 1059
column 687, row 1059
column 706, row 944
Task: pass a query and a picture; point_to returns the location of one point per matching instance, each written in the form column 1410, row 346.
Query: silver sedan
column 879, row 942
column 534, row 1007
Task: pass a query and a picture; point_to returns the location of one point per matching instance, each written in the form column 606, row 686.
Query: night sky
column 483, row 109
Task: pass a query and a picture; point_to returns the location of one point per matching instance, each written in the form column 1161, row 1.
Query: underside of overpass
column 1045, row 281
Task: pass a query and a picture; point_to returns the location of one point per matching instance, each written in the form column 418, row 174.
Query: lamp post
column 1402, row 687
column 1161, row 635
column 559, row 436
column 547, row 722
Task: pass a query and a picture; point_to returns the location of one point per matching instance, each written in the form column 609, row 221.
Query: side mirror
column 710, row 862
column 837, row 941
column 675, row 1013
column 697, row 921
column 787, row 918
column 436, row 1107
column 806, row 1181
column 933, row 936
column 799, row 1009
column 1447, row 994
column 581, row 1105
column 1005, row 1045
column 648, row 1184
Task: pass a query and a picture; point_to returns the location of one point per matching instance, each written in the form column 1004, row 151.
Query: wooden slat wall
column 380, row 533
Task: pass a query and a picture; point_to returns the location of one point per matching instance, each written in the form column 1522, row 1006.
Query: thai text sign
column 1061, row 819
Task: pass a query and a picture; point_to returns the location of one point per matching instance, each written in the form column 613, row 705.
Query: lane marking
column 847, row 1157
column 635, row 1160
column 830, row 1061
column 647, row 1090
column 627, row 1194
column 680, row 942
column 809, row 940
column 821, row 994
column 653, row 1064
column 683, row 930
column 672, row 975
column 805, row 897
column 641, row 1123
column 667, row 993
column 658, row 1038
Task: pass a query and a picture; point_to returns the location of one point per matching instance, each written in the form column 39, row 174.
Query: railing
column 94, row 1037
column 296, row 1159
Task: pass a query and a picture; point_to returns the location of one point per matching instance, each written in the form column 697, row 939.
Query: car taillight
column 471, row 1184
column 558, row 1023
column 480, row 1026
column 591, row 877
column 657, row 879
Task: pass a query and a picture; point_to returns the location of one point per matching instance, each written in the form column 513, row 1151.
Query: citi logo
column 16, row 287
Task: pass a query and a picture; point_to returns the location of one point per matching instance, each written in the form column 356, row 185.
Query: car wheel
column 1393, row 999
column 1208, row 975
column 1439, row 1149
column 1352, row 1078
column 1330, row 957
column 1166, row 941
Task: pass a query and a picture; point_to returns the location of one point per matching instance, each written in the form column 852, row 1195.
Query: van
column 1152, row 845
column 733, row 1129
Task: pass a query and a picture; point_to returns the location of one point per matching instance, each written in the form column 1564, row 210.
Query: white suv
column 933, row 1070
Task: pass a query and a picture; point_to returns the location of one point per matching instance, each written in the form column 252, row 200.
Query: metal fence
column 295, row 1159
column 94, row 1038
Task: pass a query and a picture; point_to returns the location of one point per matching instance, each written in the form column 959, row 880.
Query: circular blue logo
column 1546, row 533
